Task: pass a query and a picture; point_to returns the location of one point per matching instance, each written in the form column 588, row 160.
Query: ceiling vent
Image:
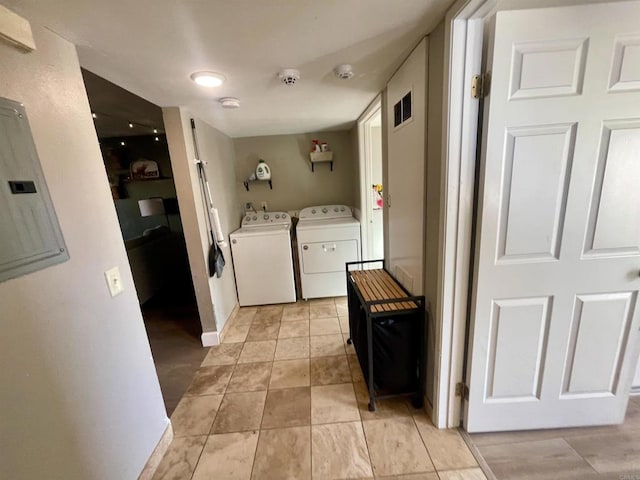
column 344, row 71
column 289, row 76
column 230, row 102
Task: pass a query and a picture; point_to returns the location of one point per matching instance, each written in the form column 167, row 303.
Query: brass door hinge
column 462, row 390
column 480, row 85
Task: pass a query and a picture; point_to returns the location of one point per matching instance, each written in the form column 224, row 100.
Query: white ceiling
column 150, row 47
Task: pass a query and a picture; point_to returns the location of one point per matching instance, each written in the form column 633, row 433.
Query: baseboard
column 210, row 339
column 225, row 327
column 156, row 457
column 635, row 391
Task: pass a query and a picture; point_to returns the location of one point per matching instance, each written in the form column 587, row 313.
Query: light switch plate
column 114, row 282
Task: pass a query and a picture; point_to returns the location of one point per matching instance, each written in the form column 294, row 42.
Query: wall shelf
column 247, row 182
column 321, row 157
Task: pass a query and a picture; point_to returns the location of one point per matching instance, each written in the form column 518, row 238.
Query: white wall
column 216, row 297
column 433, row 230
column 406, row 173
column 376, row 249
column 80, row 397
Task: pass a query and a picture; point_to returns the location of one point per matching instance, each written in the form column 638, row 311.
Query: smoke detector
column 289, row 76
column 230, row 102
column 344, row 71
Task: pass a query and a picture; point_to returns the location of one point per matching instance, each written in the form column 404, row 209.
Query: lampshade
column 151, row 206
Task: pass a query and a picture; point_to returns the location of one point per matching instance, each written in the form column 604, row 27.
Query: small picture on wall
column 377, row 196
column 143, row 169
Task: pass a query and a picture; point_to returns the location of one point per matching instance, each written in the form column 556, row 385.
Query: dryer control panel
column 261, row 219
column 325, row 211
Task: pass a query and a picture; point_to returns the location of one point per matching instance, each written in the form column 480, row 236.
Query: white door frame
column 463, row 58
column 364, row 154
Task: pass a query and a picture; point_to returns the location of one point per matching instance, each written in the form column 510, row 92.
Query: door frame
column 463, row 59
column 364, row 160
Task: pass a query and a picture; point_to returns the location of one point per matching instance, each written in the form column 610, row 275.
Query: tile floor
column 173, row 327
column 283, row 397
column 592, row 453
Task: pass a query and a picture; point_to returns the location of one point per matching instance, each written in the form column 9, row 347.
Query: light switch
column 114, row 281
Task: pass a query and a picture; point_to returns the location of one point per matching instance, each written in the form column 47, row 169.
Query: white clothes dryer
column 328, row 237
column 263, row 260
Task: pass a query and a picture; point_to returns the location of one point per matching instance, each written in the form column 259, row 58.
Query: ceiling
column 150, row 47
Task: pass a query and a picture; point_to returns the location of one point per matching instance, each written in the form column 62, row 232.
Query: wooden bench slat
column 379, row 285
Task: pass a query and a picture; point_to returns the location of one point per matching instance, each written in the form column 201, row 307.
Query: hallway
column 284, row 398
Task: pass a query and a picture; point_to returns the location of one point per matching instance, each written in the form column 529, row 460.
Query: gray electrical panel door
column 30, row 236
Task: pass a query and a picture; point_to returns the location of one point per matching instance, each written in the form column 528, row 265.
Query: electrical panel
column 30, row 236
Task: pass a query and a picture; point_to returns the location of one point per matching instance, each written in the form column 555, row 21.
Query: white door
column 554, row 338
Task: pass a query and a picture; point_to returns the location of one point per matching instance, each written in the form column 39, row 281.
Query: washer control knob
column 313, row 211
column 277, row 216
column 284, row 215
column 234, row 241
column 255, row 217
column 266, row 217
column 247, row 218
column 306, row 247
column 335, row 209
column 324, row 210
column 342, row 209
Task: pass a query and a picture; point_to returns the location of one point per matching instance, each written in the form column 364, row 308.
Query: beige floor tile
column 324, row 326
column 343, row 310
column 263, row 331
column 227, row 457
column 609, row 453
column 339, row 451
column 446, row 447
column 292, row 449
column 268, row 314
column 412, row 476
column 327, row 345
column 395, row 447
column 236, row 333
column 349, row 348
column 329, row 370
column 290, row 373
column 294, row 329
column 537, row 460
column 250, row 377
column 342, row 300
column 466, row 474
column 333, row 403
column 354, row 366
column 180, row 460
column 225, row 354
column 344, row 324
column 321, row 301
column 194, row 415
column 239, row 412
column 386, row 408
column 295, row 313
column 322, row 310
column 245, row 315
column 291, row 348
column 210, row 380
column 254, row 352
column 287, row 407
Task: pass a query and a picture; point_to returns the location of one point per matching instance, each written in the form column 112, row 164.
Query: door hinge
column 462, row 390
column 480, row 85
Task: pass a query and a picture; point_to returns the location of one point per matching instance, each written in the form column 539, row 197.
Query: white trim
column 210, row 339
column 373, row 109
column 463, row 54
column 156, row 456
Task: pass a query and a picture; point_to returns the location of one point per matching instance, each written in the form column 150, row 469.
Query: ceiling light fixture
column 94, row 114
column 344, row 71
column 208, row 79
column 155, row 130
column 130, row 125
column 289, row 76
column 230, row 102
column 122, row 143
column 157, row 139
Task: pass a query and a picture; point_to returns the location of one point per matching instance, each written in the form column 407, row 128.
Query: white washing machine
column 328, row 237
column 263, row 260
